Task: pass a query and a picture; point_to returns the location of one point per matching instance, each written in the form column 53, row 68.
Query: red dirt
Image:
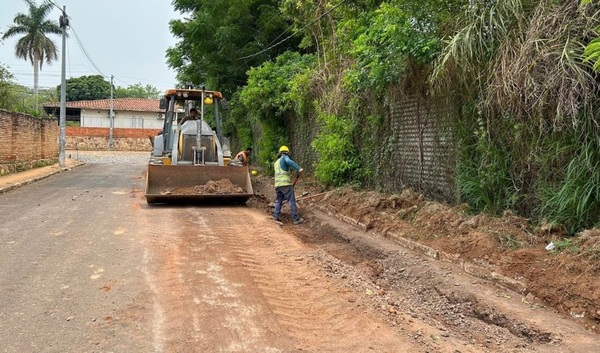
column 565, row 279
column 220, row 187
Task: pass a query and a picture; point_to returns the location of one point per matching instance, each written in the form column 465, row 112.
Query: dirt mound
column 565, row 278
column 220, row 187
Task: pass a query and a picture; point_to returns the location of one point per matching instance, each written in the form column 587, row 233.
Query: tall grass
column 483, row 172
column 575, row 202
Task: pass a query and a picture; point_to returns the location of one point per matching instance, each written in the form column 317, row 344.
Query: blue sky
column 124, row 38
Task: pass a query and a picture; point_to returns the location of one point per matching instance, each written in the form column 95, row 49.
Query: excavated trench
column 403, row 286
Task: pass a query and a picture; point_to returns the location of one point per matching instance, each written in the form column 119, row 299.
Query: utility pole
column 62, row 139
column 111, row 117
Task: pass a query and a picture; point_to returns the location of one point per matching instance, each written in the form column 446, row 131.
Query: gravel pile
column 110, row 157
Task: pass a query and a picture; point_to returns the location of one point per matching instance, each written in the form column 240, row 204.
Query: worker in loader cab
column 284, row 188
column 242, row 157
column 192, row 116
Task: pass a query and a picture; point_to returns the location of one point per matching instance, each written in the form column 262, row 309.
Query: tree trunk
column 36, row 74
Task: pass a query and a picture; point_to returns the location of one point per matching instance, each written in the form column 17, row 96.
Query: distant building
column 127, row 112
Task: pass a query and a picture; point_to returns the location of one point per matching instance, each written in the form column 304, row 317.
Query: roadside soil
column 506, row 251
column 366, row 272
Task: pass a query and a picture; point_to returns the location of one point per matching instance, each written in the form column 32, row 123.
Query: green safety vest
column 282, row 177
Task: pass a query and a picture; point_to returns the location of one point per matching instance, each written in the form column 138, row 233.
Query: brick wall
column 97, row 138
column 26, row 141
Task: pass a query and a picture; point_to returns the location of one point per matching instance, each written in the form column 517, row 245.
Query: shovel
column 296, row 180
column 293, row 184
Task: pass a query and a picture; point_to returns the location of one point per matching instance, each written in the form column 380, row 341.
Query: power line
column 293, row 34
column 85, row 52
column 56, row 5
column 69, row 61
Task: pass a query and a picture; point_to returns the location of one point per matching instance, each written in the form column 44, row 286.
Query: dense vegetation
column 19, row 98
column 522, row 74
column 93, row 87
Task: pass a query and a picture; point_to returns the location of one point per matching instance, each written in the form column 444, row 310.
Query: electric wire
column 56, row 5
column 296, row 32
column 85, row 52
column 93, row 66
column 68, row 52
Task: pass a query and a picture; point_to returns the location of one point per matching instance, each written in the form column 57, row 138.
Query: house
column 136, row 113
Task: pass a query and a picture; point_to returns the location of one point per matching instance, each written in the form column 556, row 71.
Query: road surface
column 87, row 266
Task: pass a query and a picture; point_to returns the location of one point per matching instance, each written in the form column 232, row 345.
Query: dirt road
column 87, row 266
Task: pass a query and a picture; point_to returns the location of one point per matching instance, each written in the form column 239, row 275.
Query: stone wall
column 97, row 139
column 27, row 142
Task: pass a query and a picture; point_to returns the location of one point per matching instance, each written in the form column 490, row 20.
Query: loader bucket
column 197, row 184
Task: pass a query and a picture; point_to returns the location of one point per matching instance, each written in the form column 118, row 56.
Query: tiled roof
column 126, row 104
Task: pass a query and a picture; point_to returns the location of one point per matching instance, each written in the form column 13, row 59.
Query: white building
column 127, row 112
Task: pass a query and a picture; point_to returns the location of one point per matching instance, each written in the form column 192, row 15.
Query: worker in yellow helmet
column 284, row 188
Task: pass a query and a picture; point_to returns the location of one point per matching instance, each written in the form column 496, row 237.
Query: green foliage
column 551, row 175
column 271, row 88
column 575, row 202
column 507, row 56
column 483, row 177
column 89, row 87
column 338, row 158
column 237, row 126
column 34, row 46
column 271, row 93
column 392, row 40
column 137, row 91
column 6, row 84
column 219, row 41
column 565, row 244
column 592, row 53
column 516, row 66
column 17, row 98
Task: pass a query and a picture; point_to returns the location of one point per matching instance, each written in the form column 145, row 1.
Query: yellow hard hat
column 284, row 149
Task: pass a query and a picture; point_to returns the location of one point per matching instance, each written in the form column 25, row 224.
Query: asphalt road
column 68, row 270
column 87, row 266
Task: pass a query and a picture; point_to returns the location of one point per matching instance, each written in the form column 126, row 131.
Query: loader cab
column 195, row 141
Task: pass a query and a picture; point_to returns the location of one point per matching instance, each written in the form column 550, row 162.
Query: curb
column 33, row 180
column 467, row 267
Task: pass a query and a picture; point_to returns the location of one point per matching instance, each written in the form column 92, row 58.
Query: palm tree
column 34, row 46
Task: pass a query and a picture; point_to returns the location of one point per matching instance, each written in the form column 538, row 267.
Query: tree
column 34, row 46
column 17, row 98
column 220, row 41
column 137, row 91
column 6, row 84
column 86, row 88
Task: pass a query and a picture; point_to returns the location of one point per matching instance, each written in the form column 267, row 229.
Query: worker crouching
column 241, row 159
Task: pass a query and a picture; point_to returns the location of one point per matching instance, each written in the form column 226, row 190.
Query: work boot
column 299, row 221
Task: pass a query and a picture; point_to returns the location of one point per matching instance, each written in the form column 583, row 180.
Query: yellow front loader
column 190, row 161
